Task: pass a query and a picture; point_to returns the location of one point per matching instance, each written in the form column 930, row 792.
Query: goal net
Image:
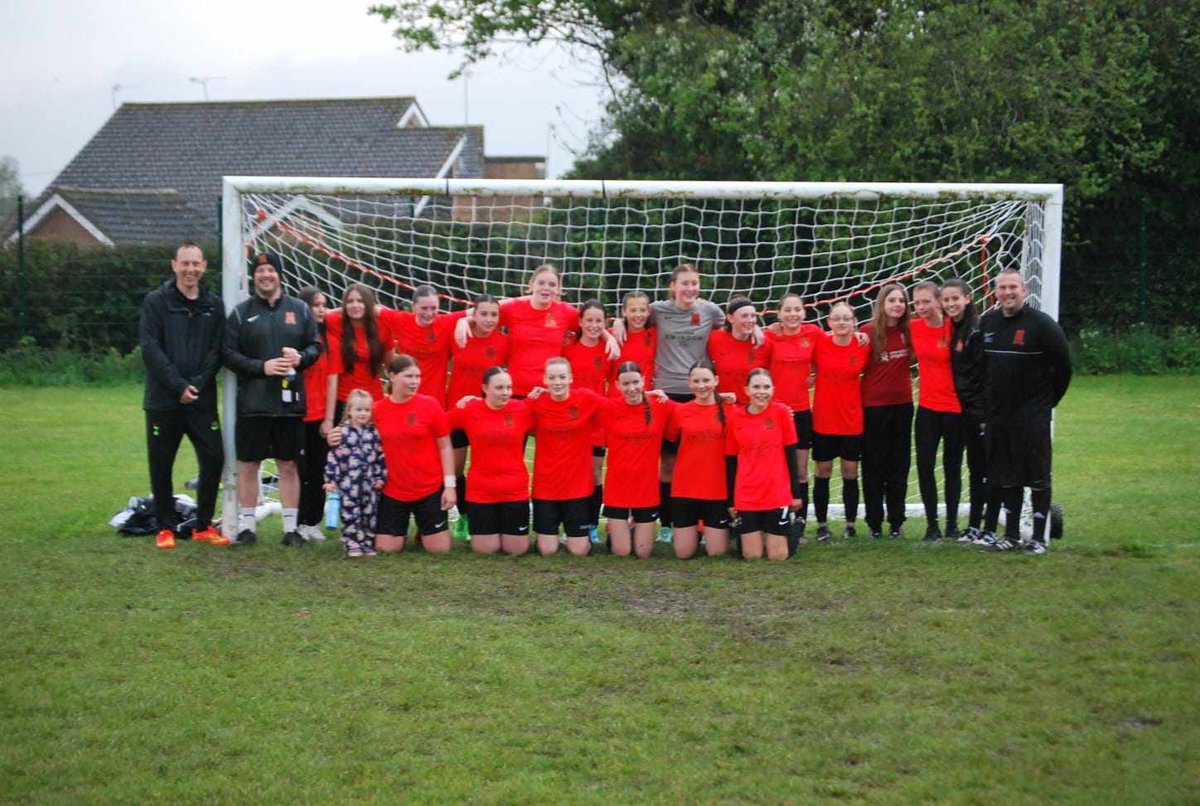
column 829, row 242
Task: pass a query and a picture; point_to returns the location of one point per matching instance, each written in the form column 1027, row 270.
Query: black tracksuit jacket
column 181, row 346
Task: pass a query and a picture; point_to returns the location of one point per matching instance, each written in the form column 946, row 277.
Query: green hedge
column 28, row 365
column 1140, row 351
column 85, row 299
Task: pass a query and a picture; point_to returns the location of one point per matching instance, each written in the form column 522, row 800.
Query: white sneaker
column 312, row 534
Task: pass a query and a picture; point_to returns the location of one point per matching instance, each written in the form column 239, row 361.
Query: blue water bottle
column 333, row 510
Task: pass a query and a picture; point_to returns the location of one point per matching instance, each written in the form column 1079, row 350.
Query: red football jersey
column 639, row 348
column 360, row 377
column 536, row 335
column 409, row 431
column 590, row 366
column 934, row 378
column 430, row 346
column 701, row 457
column 734, row 359
column 470, row 362
column 758, row 440
column 562, row 460
column 887, row 381
column 791, row 364
column 634, row 447
column 837, row 402
column 496, row 470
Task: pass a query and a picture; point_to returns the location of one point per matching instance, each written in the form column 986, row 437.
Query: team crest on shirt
column 768, row 425
column 1019, row 338
column 550, row 321
column 597, row 363
column 853, row 361
column 430, row 336
column 508, row 420
column 289, row 317
column 490, row 352
column 573, row 412
column 695, row 318
column 411, row 419
column 804, row 341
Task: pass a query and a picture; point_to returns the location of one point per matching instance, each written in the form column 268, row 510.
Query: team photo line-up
column 679, row 413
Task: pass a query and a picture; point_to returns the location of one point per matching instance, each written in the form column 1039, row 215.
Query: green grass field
column 867, row 671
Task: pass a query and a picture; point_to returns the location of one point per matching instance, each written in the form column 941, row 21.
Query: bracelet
column 449, row 482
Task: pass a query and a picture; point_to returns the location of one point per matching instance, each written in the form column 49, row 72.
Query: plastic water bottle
column 288, row 393
column 333, row 510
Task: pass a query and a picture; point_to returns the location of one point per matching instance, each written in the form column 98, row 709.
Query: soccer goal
column 830, row 242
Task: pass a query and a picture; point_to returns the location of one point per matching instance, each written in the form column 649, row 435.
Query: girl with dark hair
column 762, row 469
column 416, row 447
column 966, row 357
column 734, row 351
column 640, row 339
column 427, row 336
column 839, row 359
column 633, row 428
column 938, row 411
column 316, row 449
column 496, row 427
column 702, row 493
column 360, row 345
column 887, row 412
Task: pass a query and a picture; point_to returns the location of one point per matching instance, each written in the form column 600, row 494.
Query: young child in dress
column 355, row 469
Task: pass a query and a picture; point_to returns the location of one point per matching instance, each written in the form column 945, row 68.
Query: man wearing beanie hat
column 270, row 339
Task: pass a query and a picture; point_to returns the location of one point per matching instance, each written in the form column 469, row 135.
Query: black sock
column 802, row 512
column 1040, row 500
column 1013, row 497
column 821, row 500
column 597, row 503
column 850, row 498
column 664, row 503
column 460, row 495
column 991, row 517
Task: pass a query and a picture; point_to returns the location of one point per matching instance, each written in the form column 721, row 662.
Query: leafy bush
column 82, row 298
column 29, row 365
column 1139, row 351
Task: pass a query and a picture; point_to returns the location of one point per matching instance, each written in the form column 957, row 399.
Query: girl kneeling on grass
column 564, row 421
column 763, row 470
column 356, row 470
column 497, row 478
column 416, row 445
column 633, row 427
column 700, row 494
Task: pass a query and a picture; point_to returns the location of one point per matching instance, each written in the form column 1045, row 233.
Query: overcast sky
column 65, row 61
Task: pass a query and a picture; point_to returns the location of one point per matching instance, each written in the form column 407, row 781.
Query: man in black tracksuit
column 270, row 339
column 181, row 330
column 1027, row 368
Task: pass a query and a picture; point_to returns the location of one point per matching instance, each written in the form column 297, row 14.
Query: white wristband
column 450, row 482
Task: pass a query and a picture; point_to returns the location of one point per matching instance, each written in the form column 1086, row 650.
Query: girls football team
column 682, row 420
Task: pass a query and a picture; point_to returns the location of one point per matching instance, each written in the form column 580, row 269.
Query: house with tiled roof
column 153, row 172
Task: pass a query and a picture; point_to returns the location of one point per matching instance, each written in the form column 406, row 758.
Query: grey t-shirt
column 682, row 341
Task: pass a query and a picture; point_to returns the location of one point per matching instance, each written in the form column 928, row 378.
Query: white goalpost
column 827, row 241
